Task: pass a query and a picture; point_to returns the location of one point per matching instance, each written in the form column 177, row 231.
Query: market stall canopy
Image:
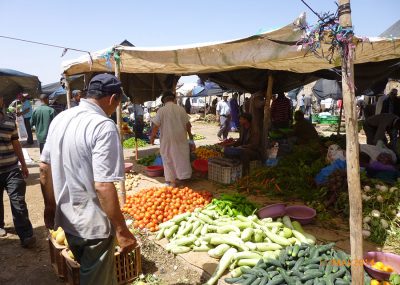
column 324, row 89
column 75, row 82
column 13, row 82
column 241, row 64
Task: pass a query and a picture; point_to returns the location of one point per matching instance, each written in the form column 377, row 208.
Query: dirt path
column 32, row 266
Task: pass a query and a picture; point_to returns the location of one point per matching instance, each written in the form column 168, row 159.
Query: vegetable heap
column 232, row 205
column 130, row 143
column 147, row 160
column 131, row 181
column 206, row 152
column 152, row 206
column 237, row 240
column 197, row 137
column 381, row 211
column 299, row 264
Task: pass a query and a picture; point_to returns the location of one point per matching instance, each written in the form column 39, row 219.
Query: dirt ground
column 32, row 266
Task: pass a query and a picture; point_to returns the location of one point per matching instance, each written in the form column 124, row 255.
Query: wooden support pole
column 122, row 192
column 352, row 151
column 267, row 112
column 69, row 91
column 340, row 118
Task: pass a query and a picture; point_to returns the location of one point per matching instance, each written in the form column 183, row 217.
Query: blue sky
column 93, row 25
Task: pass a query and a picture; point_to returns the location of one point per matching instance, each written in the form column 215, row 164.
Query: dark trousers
column 96, row 257
column 15, row 185
column 41, row 146
column 225, row 125
column 28, row 130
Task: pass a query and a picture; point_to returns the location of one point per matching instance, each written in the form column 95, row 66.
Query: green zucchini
column 263, row 246
column 237, row 272
column 247, row 234
column 313, row 275
column 298, row 263
column 233, row 280
column 295, row 250
column 257, row 281
column 289, row 280
column 170, row 231
column 273, row 262
column 277, row 281
column 160, row 234
column 264, row 280
column 340, row 281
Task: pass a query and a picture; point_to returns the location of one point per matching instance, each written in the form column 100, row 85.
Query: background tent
column 324, row 89
column 392, row 31
column 13, row 82
column 57, row 92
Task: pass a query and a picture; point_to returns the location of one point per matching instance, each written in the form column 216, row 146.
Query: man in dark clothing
column 281, row 111
column 303, row 130
column 12, row 180
column 391, row 104
column 247, row 147
column 188, row 106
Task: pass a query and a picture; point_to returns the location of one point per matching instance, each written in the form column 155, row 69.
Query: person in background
column 391, row 104
column 76, row 98
column 223, row 117
column 80, row 162
column 234, row 106
column 307, row 105
column 137, row 111
column 304, row 130
column 26, row 112
column 12, row 180
column 300, row 102
column 174, row 126
column 188, row 105
column 41, row 119
column 376, row 127
column 379, row 103
column 246, row 105
column 281, row 112
column 247, row 147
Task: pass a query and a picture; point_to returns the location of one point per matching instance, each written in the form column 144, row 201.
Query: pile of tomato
column 153, row 206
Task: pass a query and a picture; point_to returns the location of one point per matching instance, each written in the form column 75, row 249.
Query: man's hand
column 25, row 171
column 126, row 241
column 49, row 215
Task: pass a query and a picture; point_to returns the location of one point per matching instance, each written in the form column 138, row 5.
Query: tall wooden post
column 267, row 111
column 122, row 192
column 340, row 119
column 352, row 151
column 69, row 92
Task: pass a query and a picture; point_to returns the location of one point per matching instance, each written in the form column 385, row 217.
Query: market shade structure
column 13, row 82
column 325, row 88
column 242, row 64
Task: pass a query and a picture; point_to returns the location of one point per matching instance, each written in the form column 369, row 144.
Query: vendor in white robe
column 174, row 126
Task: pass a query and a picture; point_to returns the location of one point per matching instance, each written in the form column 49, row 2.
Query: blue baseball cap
column 105, row 83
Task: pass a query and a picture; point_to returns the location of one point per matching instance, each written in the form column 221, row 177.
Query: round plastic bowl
column 303, row 214
column 200, row 165
column 128, row 166
column 272, row 211
column 154, row 171
column 387, row 258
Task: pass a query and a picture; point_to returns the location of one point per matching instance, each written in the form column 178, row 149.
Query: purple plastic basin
column 387, row 258
column 303, row 214
column 272, row 211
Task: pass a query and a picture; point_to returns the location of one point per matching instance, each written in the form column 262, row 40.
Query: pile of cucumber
column 299, row 264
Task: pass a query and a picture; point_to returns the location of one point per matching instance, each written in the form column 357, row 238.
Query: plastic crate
column 127, row 267
column 57, row 261
column 223, row 170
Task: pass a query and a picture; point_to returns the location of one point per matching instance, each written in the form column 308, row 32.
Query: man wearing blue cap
column 81, row 160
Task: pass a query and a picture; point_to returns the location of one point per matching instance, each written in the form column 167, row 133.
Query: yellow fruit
column 375, row 282
column 379, row 265
column 60, row 238
column 71, row 255
column 66, row 242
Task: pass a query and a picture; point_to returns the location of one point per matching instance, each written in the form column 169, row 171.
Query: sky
column 93, row 25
